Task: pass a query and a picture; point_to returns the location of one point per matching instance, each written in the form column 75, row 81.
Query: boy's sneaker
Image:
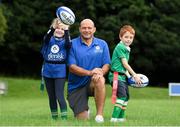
column 113, row 120
column 99, row 119
column 117, row 120
column 121, row 120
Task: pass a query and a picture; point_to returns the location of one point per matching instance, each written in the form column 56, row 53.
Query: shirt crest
column 55, row 49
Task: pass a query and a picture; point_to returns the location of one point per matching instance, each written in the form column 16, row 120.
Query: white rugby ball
column 66, row 15
column 144, row 79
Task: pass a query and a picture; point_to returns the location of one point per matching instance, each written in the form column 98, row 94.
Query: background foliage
column 155, row 51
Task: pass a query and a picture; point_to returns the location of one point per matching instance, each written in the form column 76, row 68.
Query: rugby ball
column 66, row 15
column 144, row 79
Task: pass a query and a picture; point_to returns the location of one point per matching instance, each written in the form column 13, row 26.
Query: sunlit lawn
column 26, row 105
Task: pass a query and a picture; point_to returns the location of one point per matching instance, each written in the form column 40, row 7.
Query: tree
column 155, row 50
column 3, row 25
column 27, row 22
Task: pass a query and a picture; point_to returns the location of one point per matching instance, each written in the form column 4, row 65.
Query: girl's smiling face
column 59, row 28
column 59, row 31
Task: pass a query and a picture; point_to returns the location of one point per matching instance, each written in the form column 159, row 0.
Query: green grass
column 26, row 105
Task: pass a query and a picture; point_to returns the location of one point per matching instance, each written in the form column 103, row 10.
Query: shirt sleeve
column 48, row 35
column 71, row 58
column 120, row 52
column 46, row 40
column 67, row 39
column 106, row 56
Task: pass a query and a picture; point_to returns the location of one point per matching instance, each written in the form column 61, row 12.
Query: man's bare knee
column 100, row 83
column 82, row 116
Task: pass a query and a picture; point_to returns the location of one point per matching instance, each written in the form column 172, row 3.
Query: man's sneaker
column 99, row 119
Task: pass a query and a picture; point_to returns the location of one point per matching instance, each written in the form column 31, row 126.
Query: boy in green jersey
column 120, row 64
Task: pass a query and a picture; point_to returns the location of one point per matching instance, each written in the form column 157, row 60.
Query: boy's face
column 127, row 38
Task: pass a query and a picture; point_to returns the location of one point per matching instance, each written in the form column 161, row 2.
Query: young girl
column 120, row 64
column 55, row 51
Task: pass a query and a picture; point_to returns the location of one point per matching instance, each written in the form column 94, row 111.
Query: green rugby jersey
column 120, row 51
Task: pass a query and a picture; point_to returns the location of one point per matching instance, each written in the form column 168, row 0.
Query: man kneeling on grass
column 89, row 61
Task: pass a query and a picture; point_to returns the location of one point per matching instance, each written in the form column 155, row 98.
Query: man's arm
column 100, row 72
column 83, row 72
column 79, row 71
column 105, row 69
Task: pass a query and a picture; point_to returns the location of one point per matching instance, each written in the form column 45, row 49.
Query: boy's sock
column 116, row 112
column 64, row 114
column 54, row 114
column 122, row 113
column 118, row 107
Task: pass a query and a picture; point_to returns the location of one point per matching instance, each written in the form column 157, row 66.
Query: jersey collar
column 94, row 42
column 127, row 47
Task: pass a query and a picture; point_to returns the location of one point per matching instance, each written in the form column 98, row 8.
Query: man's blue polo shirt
column 87, row 57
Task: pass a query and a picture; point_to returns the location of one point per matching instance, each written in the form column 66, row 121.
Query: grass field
column 26, row 105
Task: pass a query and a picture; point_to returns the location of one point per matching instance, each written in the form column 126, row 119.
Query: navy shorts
column 123, row 90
